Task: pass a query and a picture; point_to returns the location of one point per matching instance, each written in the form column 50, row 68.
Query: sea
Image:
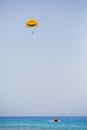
column 43, row 123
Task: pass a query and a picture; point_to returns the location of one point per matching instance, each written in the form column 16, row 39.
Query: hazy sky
column 44, row 73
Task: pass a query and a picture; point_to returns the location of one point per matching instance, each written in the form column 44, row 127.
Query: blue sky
column 44, row 73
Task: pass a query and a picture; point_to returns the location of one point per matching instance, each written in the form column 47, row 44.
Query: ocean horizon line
column 42, row 116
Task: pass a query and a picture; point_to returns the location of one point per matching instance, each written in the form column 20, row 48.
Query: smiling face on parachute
column 32, row 23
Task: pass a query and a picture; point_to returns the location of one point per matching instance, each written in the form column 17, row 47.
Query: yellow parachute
column 31, row 23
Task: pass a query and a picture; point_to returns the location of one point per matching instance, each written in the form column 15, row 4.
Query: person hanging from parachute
column 31, row 23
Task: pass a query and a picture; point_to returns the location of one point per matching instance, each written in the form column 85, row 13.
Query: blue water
column 43, row 123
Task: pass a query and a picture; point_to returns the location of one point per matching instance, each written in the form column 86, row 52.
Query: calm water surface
column 43, row 123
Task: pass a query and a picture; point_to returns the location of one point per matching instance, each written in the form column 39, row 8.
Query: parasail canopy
column 31, row 23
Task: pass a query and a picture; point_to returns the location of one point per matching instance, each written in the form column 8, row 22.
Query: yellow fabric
column 31, row 23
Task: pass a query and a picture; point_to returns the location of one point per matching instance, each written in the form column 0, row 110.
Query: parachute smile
column 31, row 24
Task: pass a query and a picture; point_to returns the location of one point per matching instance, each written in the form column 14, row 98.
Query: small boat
column 55, row 120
